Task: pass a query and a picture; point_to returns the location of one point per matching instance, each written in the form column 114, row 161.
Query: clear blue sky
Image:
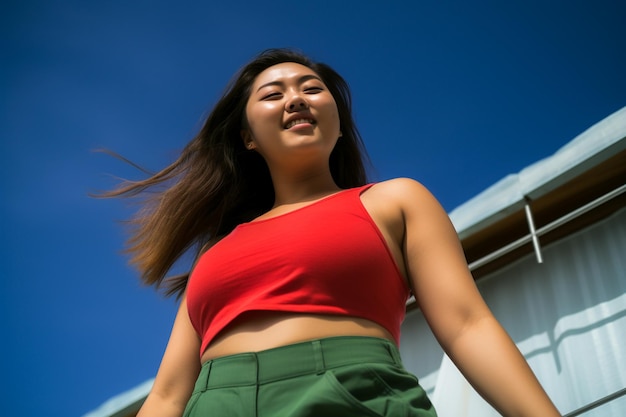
column 452, row 94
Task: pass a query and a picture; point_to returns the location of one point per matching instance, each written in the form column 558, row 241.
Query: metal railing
column 597, row 403
column 532, row 237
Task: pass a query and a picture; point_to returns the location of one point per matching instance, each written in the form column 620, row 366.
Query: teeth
column 298, row 121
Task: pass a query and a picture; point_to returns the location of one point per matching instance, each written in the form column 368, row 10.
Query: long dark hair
column 216, row 184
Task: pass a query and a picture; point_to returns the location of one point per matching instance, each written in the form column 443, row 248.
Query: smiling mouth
column 299, row 121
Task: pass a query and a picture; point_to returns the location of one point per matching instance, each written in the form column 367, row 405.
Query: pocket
column 380, row 390
column 363, row 389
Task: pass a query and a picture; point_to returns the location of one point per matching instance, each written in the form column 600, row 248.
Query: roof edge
column 587, row 150
column 124, row 403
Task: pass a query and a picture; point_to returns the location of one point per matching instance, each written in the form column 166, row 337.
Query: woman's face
column 290, row 111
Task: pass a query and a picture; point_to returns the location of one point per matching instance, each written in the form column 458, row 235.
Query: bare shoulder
column 404, row 193
column 413, row 205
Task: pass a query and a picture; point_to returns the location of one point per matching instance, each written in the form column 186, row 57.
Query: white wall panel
column 567, row 316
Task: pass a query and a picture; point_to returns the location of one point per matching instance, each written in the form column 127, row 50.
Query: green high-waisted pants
column 332, row 377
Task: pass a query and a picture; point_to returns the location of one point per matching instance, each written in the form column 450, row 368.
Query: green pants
column 333, row 377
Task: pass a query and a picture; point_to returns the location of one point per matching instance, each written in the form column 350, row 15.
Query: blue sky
column 452, row 94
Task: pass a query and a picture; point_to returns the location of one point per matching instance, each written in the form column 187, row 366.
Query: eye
column 313, row 90
column 271, row 96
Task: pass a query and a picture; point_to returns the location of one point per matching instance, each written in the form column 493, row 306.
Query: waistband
column 315, row 356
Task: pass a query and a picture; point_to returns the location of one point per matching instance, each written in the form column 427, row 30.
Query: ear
column 248, row 140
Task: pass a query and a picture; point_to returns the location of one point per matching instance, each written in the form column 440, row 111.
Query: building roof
column 591, row 148
column 125, row 404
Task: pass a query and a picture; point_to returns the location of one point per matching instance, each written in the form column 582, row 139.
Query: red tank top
column 328, row 257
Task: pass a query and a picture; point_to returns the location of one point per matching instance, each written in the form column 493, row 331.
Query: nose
column 296, row 103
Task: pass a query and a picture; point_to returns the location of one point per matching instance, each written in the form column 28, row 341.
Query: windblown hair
column 216, row 184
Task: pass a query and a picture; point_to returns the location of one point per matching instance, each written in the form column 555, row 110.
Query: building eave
column 588, row 150
column 125, row 404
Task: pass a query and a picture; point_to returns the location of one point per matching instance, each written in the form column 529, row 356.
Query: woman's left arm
column 456, row 312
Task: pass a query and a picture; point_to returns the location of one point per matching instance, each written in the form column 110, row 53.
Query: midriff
column 256, row 331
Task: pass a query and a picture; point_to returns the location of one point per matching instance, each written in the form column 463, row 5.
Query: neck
column 307, row 186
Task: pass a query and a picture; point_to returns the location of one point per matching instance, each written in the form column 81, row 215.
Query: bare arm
column 179, row 369
column 457, row 313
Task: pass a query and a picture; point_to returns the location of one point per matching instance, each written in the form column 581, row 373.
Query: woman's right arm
column 178, row 371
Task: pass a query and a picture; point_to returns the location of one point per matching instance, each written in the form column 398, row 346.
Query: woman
column 294, row 304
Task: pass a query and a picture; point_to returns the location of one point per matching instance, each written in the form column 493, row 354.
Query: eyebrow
column 300, row 81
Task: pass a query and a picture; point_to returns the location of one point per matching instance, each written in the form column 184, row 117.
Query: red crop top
column 328, row 257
